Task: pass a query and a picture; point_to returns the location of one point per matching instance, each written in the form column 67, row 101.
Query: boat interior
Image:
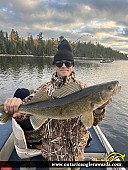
column 96, row 149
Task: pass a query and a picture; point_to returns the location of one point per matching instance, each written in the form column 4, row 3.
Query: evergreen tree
column 14, row 44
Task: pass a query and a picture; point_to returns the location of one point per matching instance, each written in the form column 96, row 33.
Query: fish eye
column 110, row 88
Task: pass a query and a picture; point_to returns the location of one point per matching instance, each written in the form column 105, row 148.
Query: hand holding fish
column 104, row 105
column 102, row 108
column 11, row 105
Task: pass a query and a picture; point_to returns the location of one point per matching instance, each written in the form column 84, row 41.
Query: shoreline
column 31, row 55
column 22, row 55
column 27, row 55
column 16, row 55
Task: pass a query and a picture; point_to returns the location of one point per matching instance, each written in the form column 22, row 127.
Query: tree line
column 37, row 46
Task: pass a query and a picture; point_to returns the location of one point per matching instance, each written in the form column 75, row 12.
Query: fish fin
column 37, row 121
column 88, row 119
column 66, row 90
column 40, row 95
column 4, row 118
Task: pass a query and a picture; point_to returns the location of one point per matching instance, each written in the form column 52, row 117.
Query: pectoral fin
column 37, row 121
column 88, row 119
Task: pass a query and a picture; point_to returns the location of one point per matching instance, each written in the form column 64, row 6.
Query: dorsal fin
column 66, row 90
column 40, row 95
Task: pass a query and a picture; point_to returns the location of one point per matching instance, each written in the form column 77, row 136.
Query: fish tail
column 1, row 108
column 4, row 117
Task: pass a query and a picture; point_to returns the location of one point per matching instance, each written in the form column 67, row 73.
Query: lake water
column 30, row 72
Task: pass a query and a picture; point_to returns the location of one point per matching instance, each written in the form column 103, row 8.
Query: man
column 59, row 140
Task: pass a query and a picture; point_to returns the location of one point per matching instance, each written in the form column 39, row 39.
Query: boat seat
column 20, row 142
column 6, row 140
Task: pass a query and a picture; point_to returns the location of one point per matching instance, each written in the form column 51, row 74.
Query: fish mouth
column 116, row 89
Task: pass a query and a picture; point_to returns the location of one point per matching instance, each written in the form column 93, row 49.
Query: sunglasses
column 67, row 63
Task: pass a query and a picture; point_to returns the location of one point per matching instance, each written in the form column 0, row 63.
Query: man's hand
column 11, row 105
column 104, row 105
column 102, row 108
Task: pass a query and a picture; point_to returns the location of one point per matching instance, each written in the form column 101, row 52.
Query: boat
column 98, row 151
column 106, row 61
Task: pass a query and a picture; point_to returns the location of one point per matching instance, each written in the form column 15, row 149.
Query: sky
column 102, row 21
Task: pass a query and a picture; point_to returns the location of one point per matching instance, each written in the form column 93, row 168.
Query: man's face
column 63, row 68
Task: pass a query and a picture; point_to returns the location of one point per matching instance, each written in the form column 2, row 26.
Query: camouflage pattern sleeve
column 99, row 113
column 98, row 117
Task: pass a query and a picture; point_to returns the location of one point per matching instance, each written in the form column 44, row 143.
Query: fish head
column 109, row 89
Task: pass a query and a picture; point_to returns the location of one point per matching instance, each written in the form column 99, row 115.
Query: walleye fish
column 79, row 102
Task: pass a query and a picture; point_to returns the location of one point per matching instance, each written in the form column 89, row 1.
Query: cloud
column 106, row 20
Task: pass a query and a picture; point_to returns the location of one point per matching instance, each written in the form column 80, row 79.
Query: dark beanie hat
column 64, row 52
column 21, row 93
